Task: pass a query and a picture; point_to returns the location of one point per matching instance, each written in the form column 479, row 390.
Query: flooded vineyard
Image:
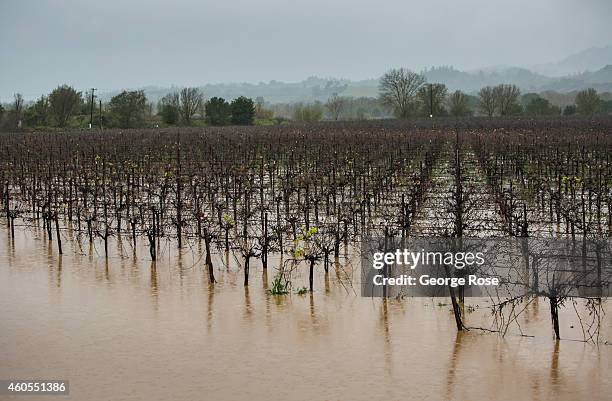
column 130, row 329
column 225, row 263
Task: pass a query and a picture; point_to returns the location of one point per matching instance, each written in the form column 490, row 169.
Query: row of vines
column 307, row 191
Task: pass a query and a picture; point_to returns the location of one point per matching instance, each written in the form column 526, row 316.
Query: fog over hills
column 319, row 89
column 587, row 60
column 588, row 68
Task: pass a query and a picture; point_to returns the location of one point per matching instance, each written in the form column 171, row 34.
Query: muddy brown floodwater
column 125, row 329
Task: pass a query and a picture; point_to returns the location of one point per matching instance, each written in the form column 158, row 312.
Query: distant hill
column 588, row 68
column 591, row 59
column 600, row 80
column 320, row 89
column 471, row 82
column 308, row 90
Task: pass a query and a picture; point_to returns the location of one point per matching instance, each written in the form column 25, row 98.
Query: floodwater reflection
column 132, row 329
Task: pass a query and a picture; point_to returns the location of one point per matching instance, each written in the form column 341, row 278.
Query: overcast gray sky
column 114, row 44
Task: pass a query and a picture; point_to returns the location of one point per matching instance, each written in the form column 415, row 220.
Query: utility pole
column 100, row 114
column 91, row 108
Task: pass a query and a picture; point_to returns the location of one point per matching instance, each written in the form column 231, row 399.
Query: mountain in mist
column 587, row 60
column 591, row 68
column 320, row 89
column 600, row 80
column 308, row 90
column 472, row 81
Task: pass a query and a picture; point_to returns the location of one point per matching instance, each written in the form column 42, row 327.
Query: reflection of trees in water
column 312, row 309
column 264, row 279
column 210, row 309
column 555, row 376
column 11, row 242
column 388, row 346
column 532, row 312
column 106, row 271
column 154, row 290
column 58, row 282
column 534, row 380
column 248, row 310
column 453, row 365
column 554, row 365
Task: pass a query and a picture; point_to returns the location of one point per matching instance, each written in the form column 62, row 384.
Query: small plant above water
column 302, row 291
column 280, row 285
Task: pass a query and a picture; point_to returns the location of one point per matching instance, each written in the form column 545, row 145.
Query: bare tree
column 458, row 104
column 506, row 98
column 335, row 106
column 190, row 102
column 398, row 88
column 431, row 97
column 487, row 103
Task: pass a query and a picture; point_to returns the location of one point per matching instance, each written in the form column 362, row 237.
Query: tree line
column 403, row 94
column 66, row 107
column 181, row 107
column 411, row 96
